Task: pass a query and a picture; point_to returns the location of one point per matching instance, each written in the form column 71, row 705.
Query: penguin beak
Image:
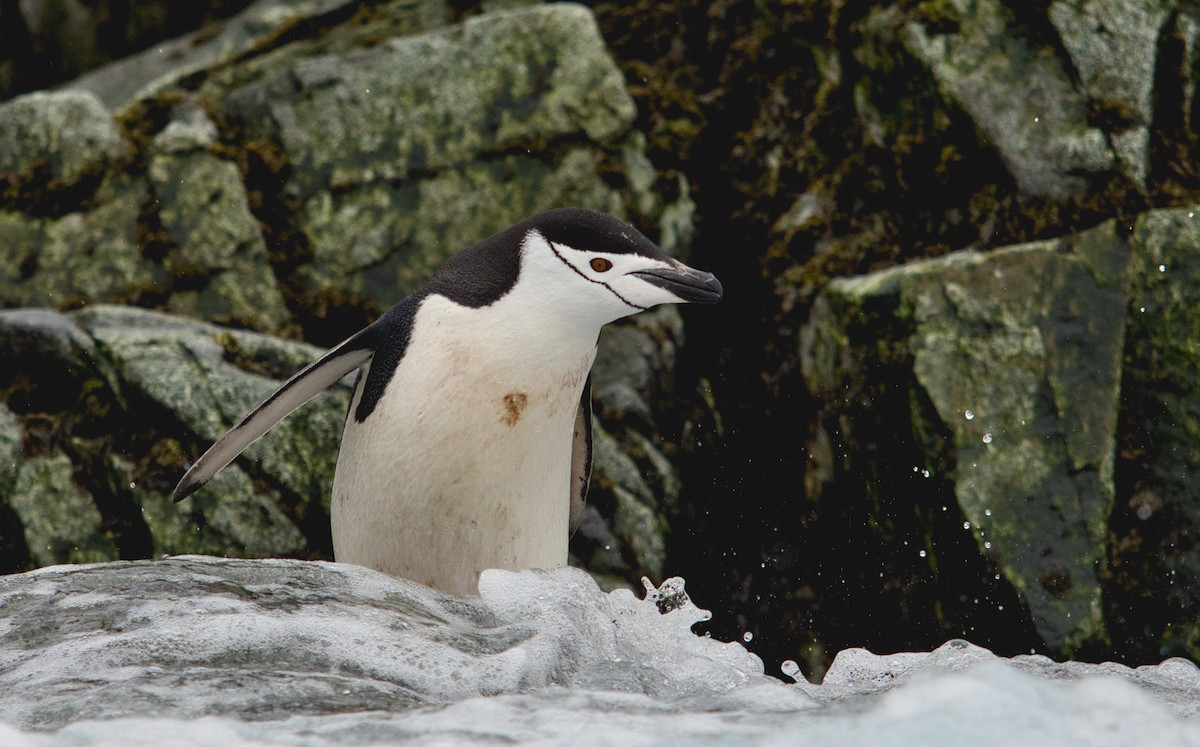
column 692, row 286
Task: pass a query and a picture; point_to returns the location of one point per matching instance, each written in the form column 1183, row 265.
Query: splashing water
column 200, row 651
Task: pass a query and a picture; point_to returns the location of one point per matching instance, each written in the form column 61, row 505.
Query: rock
column 208, row 377
column 1018, row 354
column 1156, row 564
column 84, row 256
column 62, row 524
column 216, row 244
column 126, row 391
column 165, row 64
column 502, row 80
column 67, row 135
column 1114, row 50
column 1018, row 94
column 383, row 242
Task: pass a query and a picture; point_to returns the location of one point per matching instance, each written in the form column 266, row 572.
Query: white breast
column 465, row 462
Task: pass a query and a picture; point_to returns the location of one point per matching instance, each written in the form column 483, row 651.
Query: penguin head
column 597, row 268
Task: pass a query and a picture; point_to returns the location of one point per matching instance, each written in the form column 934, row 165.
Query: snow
column 201, row 651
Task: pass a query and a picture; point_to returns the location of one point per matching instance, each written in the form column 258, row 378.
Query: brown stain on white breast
column 514, row 407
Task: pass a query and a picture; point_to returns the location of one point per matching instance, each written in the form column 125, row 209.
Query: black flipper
column 311, row 381
column 581, row 457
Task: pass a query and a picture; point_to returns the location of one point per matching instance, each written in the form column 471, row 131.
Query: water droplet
column 987, row 512
column 966, row 525
column 970, row 414
column 921, row 553
column 747, row 636
column 987, row 438
column 1162, row 268
column 987, row 545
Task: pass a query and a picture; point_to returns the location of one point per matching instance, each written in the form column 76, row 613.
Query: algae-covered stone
column 214, row 47
column 1162, row 394
column 82, row 496
column 417, row 104
column 1018, row 94
column 69, row 133
column 62, row 524
column 637, row 512
column 1114, row 49
column 216, row 242
column 1019, row 351
column 90, row 255
column 209, row 377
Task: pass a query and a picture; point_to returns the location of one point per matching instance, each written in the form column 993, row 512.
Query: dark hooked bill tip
column 693, row 286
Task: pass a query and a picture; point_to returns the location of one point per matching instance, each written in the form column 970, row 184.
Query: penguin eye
column 600, row 264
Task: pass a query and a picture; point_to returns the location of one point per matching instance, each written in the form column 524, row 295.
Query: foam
column 200, row 651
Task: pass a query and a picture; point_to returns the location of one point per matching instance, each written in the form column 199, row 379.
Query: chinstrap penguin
column 467, row 444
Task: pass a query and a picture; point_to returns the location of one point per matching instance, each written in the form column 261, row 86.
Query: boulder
column 1018, row 93
column 103, row 439
column 60, row 137
column 1113, row 48
column 1156, row 570
column 1009, row 365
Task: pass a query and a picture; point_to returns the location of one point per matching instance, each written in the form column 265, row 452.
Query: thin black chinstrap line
column 590, row 280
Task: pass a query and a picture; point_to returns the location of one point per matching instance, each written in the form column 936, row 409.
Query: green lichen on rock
column 69, row 134
column 81, row 498
column 1158, row 564
column 89, row 255
column 1018, row 93
column 183, row 365
column 439, row 100
column 1114, row 50
column 62, row 524
column 217, row 247
column 1019, row 352
column 637, row 516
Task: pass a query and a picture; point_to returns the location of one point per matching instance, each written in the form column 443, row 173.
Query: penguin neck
column 511, row 328
column 511, row 333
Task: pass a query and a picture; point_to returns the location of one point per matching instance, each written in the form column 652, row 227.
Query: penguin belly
column 465, row 461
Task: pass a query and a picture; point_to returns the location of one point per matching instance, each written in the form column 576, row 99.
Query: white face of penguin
column 598, row 287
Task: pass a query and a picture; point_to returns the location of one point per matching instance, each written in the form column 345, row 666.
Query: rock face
column 296, row 173
column 1156, row 565
column 1021, row 95
column 103, row 441
column 1015, row 358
